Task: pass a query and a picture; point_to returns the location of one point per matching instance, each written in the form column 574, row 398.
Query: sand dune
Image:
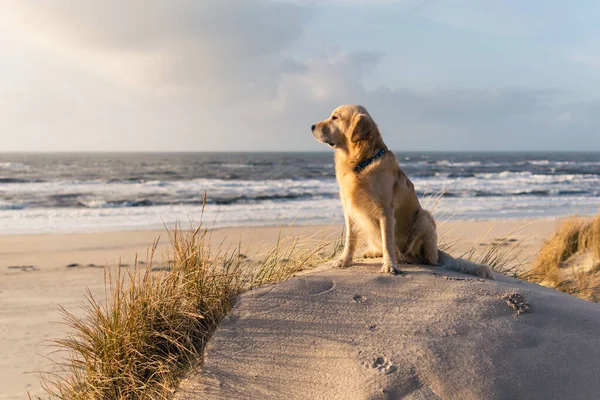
column 29, row 297
column 358, row 334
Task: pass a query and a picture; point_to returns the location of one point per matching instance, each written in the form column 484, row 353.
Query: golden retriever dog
column 378, row 198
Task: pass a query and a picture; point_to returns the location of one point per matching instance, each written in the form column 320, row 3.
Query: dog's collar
column 364, row 164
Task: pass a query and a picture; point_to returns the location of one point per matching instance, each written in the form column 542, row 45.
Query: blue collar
column 364, row 164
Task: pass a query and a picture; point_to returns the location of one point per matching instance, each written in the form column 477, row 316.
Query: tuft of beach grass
column 503, row 255
column 152, row 327
column 570, row 260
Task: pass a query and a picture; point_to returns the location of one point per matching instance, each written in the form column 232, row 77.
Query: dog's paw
column 342, row 263
column 390, row 268
column 372, row 254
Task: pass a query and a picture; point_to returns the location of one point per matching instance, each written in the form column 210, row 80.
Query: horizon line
column 273, row 151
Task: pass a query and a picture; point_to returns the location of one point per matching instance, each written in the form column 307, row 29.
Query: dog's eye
column 334, row 117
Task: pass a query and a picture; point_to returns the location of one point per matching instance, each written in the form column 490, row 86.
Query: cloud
column 235, row 75
column 435, row 119
column 508, row 17
column 589, row 60
column 228, row 48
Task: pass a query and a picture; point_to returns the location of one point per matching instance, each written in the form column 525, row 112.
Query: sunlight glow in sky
column 246, row 75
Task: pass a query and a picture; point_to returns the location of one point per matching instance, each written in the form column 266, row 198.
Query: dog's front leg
column 349, row 245
column 388, row 242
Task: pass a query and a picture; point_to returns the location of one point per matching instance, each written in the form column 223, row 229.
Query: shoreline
column 158, row 228
column 29, row 298
column 55, row 250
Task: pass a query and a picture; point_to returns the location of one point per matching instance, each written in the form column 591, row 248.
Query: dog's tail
column 461, row 265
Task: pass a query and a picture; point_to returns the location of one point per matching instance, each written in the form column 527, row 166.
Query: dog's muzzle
column 321, row 136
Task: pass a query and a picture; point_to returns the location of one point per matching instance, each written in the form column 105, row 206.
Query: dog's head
column 346, row 126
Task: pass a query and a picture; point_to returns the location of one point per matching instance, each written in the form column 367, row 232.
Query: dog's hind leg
column 373, row 253
column 430, row 249
column 423, row 245
column 373, row 250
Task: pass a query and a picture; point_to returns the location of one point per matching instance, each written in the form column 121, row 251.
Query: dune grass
column 504, row 255
column 154, row 323
column 570, row 260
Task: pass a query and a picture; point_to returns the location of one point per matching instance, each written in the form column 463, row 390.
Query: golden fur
column 380, row 200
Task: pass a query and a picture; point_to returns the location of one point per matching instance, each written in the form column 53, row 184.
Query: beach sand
column 35, row 278
column 429, row 334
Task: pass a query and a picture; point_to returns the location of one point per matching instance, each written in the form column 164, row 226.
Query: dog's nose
column 312, row 128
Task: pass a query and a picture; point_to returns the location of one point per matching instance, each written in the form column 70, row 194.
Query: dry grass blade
column 291, row 255
column 570, row 260
column 504, row 255
column 153, row 325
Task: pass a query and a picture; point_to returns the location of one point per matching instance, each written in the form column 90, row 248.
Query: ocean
column 58, row 193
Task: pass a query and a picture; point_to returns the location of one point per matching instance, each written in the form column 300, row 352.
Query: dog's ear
column 361, row 127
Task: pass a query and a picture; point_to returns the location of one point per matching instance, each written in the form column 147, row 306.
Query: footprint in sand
column 358, row 298
column 312, row 285
column 383, row 365
column 26, row 268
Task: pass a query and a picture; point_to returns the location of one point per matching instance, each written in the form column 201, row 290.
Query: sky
column 254, row 75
